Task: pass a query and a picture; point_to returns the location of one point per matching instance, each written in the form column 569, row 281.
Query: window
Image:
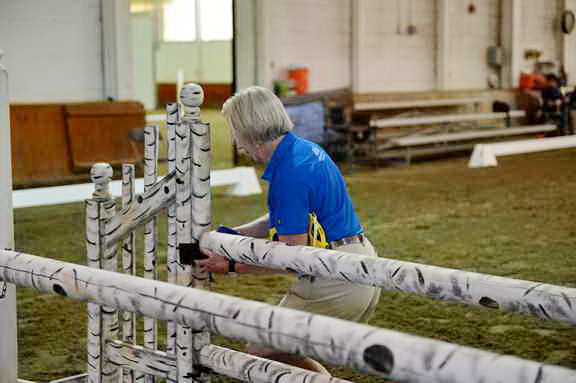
column 215, row 20
column 191, row 20
column 179, row 20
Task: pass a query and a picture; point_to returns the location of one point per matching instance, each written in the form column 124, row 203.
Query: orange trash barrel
column 527, row 81
column 298, row 74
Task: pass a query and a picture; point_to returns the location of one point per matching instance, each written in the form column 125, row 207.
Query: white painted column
column 245, row 43
column 117, row 50
column 357, row 33
column 8, row 324
column 263, row 64
column 442, row 41
column 511, row 34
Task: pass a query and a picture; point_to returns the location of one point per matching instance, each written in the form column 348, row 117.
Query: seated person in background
column 551, row 95
column 308, row 204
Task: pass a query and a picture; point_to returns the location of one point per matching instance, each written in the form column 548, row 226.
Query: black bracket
column 190, row 252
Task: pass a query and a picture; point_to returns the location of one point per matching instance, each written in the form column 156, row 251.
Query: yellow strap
column 316, row 233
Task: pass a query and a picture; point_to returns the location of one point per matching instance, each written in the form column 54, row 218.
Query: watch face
column 568, row 20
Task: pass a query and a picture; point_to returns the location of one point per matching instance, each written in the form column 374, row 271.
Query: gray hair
column 256, row 115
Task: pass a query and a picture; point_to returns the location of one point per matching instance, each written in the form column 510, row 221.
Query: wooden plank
column 97, row 109
column 40, row 150
column 446, row 118
column 470, row 135
column 407, row 104
column 100, row 132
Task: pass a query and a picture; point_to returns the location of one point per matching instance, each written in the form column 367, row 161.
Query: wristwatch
column 231, row 266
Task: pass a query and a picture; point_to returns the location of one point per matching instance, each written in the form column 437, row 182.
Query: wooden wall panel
column 40, row 149
column 215, row 94
column 57, row 143
column 100, row 132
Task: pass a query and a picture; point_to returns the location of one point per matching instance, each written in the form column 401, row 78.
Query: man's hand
column 214, row 263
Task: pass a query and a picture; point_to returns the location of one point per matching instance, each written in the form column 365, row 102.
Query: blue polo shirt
column 304, row 179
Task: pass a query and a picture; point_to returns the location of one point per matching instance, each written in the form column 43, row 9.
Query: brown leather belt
column 358, row 238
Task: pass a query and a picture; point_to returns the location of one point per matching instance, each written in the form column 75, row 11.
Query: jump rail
column 484, row 155
column 376, row 351
column 539, row 299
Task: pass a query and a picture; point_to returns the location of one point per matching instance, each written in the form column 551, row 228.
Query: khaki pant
column 335, row 298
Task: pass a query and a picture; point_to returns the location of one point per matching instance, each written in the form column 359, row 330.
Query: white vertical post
column 511, row 34
column 442, row 44
column 191, row 97
column 102, row 321
column 151, row 138
column 171, row 254
column 128, row 264
column 184, row 238
column 8, row 324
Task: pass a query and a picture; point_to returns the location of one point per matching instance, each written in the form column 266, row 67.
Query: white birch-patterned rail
column 540, row 299
column 381, row 352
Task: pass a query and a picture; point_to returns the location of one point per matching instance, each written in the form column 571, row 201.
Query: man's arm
column 292, row 240
column 256, row 229
column 218, row 264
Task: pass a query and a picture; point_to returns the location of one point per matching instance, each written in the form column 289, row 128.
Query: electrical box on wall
column 495, row 56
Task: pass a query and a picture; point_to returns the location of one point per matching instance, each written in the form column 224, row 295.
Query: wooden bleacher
column 412, row 104
column 405, row 135
column 444, row 119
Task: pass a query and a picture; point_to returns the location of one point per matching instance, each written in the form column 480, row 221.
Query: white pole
column 8, row 326
column 191, row 97
column 386, row 353
column 534, row 298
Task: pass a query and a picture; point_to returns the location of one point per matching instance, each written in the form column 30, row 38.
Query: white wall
column 311, row 32
column 53, row 49
column 143, row 65
column 540, row 30
column 390, row 59
column 469, row 36
column 365, row 44
column 205, row 62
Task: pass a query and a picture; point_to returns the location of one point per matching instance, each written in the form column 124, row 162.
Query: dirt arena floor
column 517, row 220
